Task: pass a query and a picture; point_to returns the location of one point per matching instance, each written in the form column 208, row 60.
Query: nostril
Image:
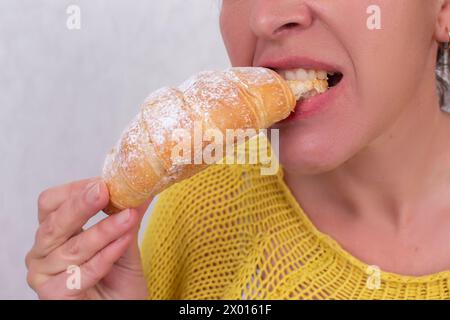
column 287, row 26
column 290, row 25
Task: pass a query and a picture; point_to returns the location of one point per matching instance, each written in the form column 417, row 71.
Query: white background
column 65, row 96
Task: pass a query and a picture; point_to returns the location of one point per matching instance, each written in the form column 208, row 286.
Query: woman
column 359, row 209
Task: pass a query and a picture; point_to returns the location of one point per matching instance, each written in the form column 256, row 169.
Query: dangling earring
column 448, row 39
column 443, row 75
column 445, row 47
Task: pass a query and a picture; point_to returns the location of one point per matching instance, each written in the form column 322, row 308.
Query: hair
column 442, row 76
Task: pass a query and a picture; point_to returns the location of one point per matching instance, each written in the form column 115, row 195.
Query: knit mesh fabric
column 231, row 233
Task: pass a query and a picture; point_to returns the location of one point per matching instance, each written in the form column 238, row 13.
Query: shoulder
column 221, row 191
column 186, row 219
column 213, row 198
column 204, row 218
column 211, row 190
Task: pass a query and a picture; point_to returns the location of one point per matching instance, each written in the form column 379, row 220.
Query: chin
column 310, row 155
column 295, row 163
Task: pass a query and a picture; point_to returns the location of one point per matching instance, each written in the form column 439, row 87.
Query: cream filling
column 308, row 88
column 306, row 83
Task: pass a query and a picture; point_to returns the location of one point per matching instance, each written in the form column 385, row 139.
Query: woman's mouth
column 311, row 89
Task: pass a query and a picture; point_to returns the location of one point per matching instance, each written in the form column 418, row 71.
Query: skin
column 107, row 253
column 373, row 171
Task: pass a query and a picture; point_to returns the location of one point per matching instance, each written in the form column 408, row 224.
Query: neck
column 404, row 171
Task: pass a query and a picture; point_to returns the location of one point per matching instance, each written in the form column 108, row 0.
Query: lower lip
column 314, row 105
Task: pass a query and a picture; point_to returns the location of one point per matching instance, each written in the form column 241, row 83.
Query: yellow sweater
column 231, row 233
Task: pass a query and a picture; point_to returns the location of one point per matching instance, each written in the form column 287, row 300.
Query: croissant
column 141, row 165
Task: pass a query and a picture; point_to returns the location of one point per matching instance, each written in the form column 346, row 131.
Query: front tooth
column 290, row 75
column 311, row 74
column 302, row 74
column 322, row 75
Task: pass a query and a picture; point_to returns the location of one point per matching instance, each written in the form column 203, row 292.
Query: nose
column 271, row 18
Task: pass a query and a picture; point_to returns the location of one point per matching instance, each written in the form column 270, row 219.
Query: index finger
column 52, row 198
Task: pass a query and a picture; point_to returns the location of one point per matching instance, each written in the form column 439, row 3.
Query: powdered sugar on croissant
column 140, row 165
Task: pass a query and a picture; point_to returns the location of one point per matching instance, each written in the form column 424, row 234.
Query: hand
column 107, row 253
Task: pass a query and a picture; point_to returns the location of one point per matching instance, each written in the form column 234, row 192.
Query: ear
column 443, row 21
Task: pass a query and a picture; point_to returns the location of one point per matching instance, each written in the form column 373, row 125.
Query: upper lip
column 295, row 62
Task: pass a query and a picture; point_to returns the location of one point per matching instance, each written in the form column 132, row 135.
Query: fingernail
column 93, row 192
column 123, row 217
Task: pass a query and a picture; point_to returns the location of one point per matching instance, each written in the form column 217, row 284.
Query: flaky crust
column 140, row 165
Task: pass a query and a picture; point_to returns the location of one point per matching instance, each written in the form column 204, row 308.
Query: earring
column 444, row 51
column 448, row 40
column 443, row 75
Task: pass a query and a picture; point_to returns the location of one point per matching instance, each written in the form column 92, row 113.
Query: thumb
column 142, row 209
column 131, row 259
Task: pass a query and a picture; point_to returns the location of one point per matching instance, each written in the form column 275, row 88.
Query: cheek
column 324, row 147
column 324, row 143
column 388, row 61
column 237, row 37
column 382, row 81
